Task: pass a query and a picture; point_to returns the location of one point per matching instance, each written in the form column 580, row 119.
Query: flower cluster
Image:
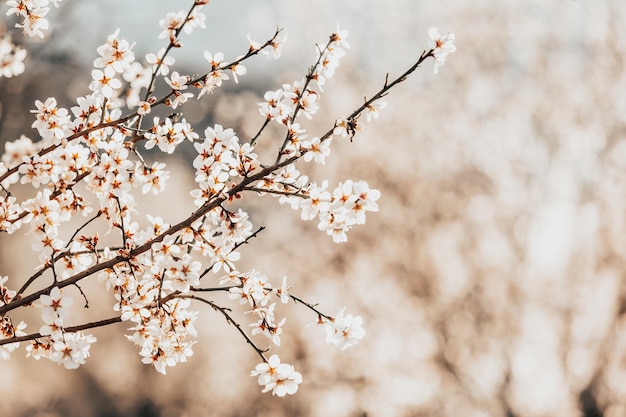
column 71, row 349
column 174, row 22
column 157, row 274
column 254, row 290
column 280, row 378
column 11, row 58
column 163, row 339
column 33, row 14
column 283, row 105
column 342, row 330
column 338, row 211
column 220, row 158
column 167, row 135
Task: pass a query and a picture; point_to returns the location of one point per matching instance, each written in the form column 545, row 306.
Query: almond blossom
column 279, row 378
column 344, row 330
column 442, row 46
column 160, row 62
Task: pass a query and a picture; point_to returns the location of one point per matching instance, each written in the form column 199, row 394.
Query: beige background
column 492, row 280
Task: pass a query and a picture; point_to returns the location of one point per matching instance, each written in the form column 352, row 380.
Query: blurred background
column 492, row 280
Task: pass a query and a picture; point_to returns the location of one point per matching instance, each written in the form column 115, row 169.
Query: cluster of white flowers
column 11, row 58
column 71, row 349
column 220, row 159
column 167, row 135
column 337, row 212
column 342, row 330
column 282, row 105
column 163, row 339
column 280, row 378
column 156, row 272
column 33, row 13
column 174, row 22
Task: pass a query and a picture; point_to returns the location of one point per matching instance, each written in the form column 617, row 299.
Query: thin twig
column 230, row 320
column 253, row 235
column 310, row 306
column 72, row 329
column 253, row 140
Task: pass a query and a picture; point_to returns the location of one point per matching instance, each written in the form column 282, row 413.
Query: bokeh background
column 492, row 280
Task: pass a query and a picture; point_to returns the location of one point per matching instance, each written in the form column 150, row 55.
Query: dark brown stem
column 71, row 329
column 254, row 139
column 310, row 306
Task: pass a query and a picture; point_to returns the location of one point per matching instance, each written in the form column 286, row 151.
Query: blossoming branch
column 159, row 276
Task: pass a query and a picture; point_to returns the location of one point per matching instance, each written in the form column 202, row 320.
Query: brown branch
column 208, row 206
column 76, row 135
column 277, row 192
column 71, row 329
column 383, row 91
